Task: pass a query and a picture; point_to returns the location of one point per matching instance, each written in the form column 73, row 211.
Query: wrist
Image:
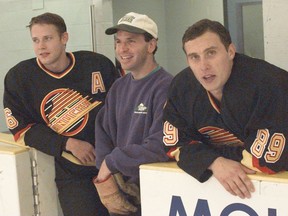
column 64, row 144
column 97, row 180
column 214, row 163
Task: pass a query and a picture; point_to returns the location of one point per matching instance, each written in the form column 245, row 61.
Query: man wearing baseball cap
column 129, row 126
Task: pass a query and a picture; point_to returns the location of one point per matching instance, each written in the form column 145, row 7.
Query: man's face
column 210, row 62
column 132, row 50
column 48, row 45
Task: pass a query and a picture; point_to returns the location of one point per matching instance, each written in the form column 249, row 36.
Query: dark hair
column 203, row 26
column 147, row 38
column 49, row 18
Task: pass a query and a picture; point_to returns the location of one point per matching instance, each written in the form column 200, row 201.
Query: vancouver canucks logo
column 66, row 111
column 219, row 136
column 141, row 109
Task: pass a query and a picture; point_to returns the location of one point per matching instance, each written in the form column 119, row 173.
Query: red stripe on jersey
column 264, row 169
column 24, row 130
column 170, row 151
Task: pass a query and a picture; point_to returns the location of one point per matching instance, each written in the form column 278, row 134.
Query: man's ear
column 65, row 37
column 231, row 51
column 152, row 45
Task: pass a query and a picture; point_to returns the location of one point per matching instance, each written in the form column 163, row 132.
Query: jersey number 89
column 274, row 149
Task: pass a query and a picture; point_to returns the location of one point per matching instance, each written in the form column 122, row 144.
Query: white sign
column 168, row 191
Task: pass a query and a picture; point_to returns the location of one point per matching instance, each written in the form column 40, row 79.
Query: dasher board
column 9, row 146
column 172, row 167
column 22, row 171
column 166, row 190
column 7, row 137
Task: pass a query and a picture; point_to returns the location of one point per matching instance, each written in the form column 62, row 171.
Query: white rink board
column 16, row 195
column 16, row 181
column 168, row 191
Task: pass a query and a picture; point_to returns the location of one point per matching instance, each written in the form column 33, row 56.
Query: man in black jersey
column 226, row 114
column 50, row 104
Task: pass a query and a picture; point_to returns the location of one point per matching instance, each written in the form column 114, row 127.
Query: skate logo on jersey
column 141, row 109
column 219, row 136
column 66, row 111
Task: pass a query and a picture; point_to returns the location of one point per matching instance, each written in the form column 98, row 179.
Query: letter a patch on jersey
column 97, row 83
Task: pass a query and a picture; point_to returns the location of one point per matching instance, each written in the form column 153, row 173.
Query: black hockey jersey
column 252, row 119
column 66, row 102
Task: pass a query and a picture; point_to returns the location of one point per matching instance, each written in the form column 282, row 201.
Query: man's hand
column 112, row 198
column 233, row 176
column 82, row 150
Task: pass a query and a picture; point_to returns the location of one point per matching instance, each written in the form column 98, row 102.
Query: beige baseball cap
column 135, row 23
